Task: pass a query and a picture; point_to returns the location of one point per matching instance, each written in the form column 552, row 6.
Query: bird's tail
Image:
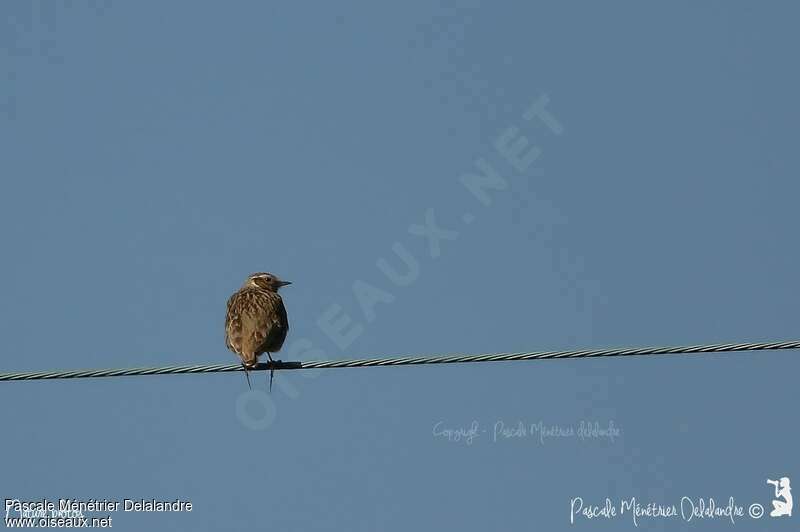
column 249, row 359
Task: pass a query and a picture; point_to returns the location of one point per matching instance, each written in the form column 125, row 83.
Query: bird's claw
column 247, row 375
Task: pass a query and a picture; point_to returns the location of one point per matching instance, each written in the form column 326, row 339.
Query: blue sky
column 155, row 154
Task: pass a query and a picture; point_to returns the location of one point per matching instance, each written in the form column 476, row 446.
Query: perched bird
column 256, row 321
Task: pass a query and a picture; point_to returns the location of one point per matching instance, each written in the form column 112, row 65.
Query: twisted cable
column 405, row 361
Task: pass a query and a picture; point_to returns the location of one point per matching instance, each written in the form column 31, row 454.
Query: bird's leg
column 271, row 370
column 247, row 374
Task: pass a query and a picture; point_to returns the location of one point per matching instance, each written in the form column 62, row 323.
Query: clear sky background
column 154, row 154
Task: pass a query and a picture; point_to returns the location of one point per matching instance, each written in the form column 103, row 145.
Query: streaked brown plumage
column 256, row 321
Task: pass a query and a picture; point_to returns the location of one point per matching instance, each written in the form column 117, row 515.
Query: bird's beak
column 284, row 283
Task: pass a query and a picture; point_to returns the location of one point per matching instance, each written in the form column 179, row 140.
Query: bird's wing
column 266, row 322
column 233, row 323
column 279, row 327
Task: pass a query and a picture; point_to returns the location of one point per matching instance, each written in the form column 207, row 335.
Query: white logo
column 782, row 491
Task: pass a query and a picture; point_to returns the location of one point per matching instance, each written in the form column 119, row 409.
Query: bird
column 256, row 321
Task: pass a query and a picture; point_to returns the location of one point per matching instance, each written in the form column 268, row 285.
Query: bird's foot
column 271, row 369
column 247, row 374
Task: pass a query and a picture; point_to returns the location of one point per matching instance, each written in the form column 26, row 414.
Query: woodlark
column 256, row 321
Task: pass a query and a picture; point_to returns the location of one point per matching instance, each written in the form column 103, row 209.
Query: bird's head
column 265, row 281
